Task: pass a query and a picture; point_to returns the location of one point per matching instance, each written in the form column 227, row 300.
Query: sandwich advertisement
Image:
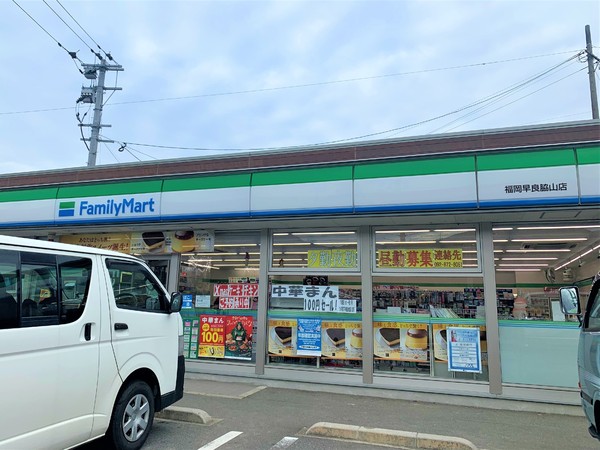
column 401, row 341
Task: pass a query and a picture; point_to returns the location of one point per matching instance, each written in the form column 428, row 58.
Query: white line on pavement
column 285, row 442
column 220, row 441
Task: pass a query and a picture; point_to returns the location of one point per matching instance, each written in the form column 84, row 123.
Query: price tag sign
column 464, row 351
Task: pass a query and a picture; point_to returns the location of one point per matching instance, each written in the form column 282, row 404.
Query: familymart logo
column 111, row 207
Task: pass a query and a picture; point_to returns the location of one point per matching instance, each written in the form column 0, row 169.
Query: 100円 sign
column 316, row 298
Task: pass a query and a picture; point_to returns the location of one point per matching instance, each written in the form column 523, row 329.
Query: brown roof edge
column 565, row 134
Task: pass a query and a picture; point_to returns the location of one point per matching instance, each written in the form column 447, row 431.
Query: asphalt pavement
column 268, row 409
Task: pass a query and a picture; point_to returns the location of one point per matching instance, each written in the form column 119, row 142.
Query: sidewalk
column 393, row 418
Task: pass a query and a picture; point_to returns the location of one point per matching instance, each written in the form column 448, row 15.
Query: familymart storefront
column 428, row 274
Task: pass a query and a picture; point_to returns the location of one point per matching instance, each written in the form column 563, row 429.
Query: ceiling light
column 320, row 233
column 216, row 253
column 542, row 251
column 578, row 257
column 400, row 231
column 502, row 229
column 528, row 259
column 404, row 242
column 458, row 242
column 523, row 265
column 456, row 230
column 551, row 240
column 565, row 227
column 290, row 243
column 518, row 270
column 334, row 243
column 236, row 245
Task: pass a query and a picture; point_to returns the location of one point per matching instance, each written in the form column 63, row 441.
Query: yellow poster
column 120, row 242
column 336, row 258
column 401, row 341
column 440, row 344
column 429, row 258
column 341, row 340
column 283, row 337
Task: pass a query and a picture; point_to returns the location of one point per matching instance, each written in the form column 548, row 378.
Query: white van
column 588, row 355
column 90, row 344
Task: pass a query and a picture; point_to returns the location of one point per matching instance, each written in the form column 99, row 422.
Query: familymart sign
column 119, row 207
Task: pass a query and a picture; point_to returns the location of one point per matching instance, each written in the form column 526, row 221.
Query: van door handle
column 120, row 326
column 87, row 332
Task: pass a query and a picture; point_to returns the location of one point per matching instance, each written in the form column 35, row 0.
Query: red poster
column 211, row 338
column 238, row 337
column 236, row 290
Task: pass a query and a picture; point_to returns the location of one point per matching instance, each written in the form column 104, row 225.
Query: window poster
column 190, row 337
column 440, row 341
column 283, row 337
column 238, row 337
column 401, row 341
column 211, row 338
column 341, row 340
column 464, row 352
column 309, row 337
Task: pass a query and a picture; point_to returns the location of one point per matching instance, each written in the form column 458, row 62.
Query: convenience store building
column 426, row 264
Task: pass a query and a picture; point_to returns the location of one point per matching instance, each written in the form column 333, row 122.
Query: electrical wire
column 67, row 25
column 108, row 55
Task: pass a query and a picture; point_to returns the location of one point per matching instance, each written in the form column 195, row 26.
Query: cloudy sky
column 217, row 77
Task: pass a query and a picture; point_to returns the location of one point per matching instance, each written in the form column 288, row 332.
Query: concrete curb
column 183, row 414
column 389, row 437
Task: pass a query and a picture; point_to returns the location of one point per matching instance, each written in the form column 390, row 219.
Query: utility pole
column 95, row 94
column 591, row 74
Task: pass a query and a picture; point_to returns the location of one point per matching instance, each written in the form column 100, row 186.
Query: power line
column 108, row 55
column 67, row 25
column 300, row 85
column 494, row 97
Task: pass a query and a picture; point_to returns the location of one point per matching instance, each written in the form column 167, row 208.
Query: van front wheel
column 132, row 417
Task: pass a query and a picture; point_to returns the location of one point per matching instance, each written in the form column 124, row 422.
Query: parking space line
column 285, row 442
column 221, row 440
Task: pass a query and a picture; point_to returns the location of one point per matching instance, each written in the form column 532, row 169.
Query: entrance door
column 165, row 268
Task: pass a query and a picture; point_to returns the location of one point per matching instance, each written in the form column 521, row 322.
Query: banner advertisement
column 120, row 242
column 332, row 259
column 238, row 337
column 309, row 337
column 464, row 352
column 432, row 258
column 316, row 298
column 190, row 337
column 401, row 341
column 341, row 340
column 283, row 337
column 211, row 340
column 236, row 290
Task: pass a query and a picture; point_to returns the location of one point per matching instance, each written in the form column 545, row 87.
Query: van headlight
column 180, row 345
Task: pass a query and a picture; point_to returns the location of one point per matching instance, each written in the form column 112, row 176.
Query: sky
column 220, row 77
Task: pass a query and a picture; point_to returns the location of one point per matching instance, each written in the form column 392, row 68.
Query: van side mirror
column 569, row 300
column 176, row 302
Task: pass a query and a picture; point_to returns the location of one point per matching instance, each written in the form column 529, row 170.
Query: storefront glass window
column 319, row 251
column 414, row 318
column 220, row 290
column 538, row 344
column 427, row 249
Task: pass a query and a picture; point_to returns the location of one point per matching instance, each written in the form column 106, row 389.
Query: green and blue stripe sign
column 473, row 182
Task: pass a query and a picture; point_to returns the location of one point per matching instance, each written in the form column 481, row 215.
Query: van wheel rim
column 135, row 418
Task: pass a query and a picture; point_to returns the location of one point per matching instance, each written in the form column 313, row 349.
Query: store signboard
column 309, row 337
column 464, row 351
column 431, row 258
column 108, row 208
column 316, row 298
column 120, row 242
column 236, row 290
column 211, row 339
column 332, row 259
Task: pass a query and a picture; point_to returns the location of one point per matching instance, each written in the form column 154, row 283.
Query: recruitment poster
column 440, row 341
column 238, row 337
column 283, row 337
column 211, row 340
column 401, row 341
column 309, row 337
column 341, row 339
column 464, row 352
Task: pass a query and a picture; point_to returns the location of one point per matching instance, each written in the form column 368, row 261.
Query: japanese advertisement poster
column 341, row 340
column 401, row 341
column 283, row 337
column 432, row 258
column 309, row 337
column 238, row 337
column 440, row 341
column 211, row 340
column 464, row 353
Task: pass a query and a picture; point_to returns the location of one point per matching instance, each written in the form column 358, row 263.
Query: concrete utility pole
column 95, row 95
column 591, row 74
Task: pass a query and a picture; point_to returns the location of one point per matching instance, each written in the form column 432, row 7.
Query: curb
column 389, row 437
column 183, row 414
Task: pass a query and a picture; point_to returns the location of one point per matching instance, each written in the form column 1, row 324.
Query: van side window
column 75, row 275
column 593, row 319
column 9, row 317
column 135, row 287
column 39, row 289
